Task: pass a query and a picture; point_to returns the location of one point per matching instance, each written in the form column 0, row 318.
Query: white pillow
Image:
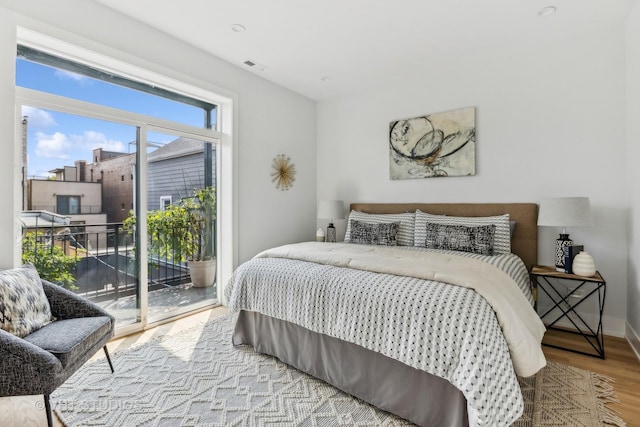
column 501, row 239
column 24, row 307
column 405, row 230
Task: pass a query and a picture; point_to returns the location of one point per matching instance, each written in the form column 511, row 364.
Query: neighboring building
column 36, row 219
column 107, row 186
column 175, row 170
column 116, row 172
column 54, row 229
column 64, row 197
column 100, row 155
column 75, row 173
column 81, row 202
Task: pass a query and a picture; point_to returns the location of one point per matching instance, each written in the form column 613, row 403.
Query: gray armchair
column 43, row 360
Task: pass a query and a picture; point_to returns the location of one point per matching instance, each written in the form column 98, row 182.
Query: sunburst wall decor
column 284, row 172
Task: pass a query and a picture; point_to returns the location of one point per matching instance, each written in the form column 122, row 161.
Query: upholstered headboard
column 524, row 242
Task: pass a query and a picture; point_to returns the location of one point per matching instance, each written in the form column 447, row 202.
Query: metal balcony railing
column 104, row 266
column 84, row 209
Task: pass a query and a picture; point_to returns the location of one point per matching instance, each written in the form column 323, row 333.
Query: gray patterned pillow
column 24, row 307
column 501, row 239
column 405, row 230
column 478, row 240
column 374, row 234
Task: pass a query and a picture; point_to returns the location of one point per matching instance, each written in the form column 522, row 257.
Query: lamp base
column 561, row 243
column 331, row 233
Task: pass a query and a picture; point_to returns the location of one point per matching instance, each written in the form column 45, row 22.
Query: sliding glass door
column 126, row 211
column 181, row 212
column 119, row 186
column 74, row 202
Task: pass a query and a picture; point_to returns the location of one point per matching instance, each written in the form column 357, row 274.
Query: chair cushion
column 24, row 307
column 70, row 339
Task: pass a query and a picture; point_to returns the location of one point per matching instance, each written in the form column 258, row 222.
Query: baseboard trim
column 634, row 340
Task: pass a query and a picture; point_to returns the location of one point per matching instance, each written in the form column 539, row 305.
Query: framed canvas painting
column 435, row 145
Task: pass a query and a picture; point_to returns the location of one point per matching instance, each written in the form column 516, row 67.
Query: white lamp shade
column 565, row 212
column 330, row 209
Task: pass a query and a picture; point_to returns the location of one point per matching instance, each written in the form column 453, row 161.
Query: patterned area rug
column 197, row 378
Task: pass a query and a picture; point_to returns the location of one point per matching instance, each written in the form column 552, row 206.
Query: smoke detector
column 253, row 64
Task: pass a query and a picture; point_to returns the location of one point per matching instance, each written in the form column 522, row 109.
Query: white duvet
column 400, row 302
column 520, row 324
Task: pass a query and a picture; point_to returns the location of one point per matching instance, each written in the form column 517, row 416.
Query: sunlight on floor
column 28, row 411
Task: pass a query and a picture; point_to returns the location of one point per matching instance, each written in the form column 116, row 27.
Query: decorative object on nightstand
column 583, row 265
column 570, row 253
column 564, row 212
column 331, row 210
column 320, row 235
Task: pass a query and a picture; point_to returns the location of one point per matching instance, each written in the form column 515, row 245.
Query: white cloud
column 73, row 147
column 38, row 117
column 55, row 145
column 91, row 139
column 68, row 75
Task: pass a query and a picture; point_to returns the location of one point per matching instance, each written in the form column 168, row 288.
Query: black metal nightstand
column 543, row 278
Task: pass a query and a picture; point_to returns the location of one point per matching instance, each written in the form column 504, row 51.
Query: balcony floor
column 163, row 303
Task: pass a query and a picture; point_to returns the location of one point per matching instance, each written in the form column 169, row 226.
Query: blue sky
column 57, row 139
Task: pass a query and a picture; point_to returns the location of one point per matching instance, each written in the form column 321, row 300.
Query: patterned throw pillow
column 501, row 239
column 477, row 240
column 405, row 230
column 374, row 234
column 23, row 304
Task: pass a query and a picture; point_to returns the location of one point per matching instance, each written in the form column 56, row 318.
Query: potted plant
column 184, row 232
column 200, row 254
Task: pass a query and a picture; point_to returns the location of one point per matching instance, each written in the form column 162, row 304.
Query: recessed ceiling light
column 546, row 11
column 238, row 28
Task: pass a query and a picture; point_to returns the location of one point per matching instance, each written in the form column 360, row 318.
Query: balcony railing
column 84, row 209
column 105, row 260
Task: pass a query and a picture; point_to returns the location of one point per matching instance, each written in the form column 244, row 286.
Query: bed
column 435, row 336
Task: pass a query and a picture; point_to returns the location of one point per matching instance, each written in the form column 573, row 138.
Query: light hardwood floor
column 621, row 364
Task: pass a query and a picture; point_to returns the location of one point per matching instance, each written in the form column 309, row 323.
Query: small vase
column 331, row 234
column 583, row 265
column 561, row 242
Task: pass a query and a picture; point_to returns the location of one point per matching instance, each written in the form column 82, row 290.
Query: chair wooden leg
column 47, row 408
column 106, row 352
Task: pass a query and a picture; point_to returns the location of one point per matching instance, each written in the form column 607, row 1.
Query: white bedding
column 397, row 302
column 520, row 324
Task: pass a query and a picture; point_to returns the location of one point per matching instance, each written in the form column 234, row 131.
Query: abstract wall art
column 283, row 172
column 435, row 145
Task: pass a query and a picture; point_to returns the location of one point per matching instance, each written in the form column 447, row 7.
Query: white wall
column 8, row 253
column 633, row 176
column 271, row 119
column 550, row 122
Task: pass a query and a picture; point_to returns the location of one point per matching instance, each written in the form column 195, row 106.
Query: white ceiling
column 364, row 43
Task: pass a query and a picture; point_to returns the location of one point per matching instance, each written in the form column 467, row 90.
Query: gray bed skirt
column 415, row 395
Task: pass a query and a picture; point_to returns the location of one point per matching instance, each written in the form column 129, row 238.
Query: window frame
column 85, row 52
column 68, row 198
column 164, row 200
column 144, row 124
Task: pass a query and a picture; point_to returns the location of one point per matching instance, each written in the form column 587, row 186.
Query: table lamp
column 564, row 212
column 331, row 210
